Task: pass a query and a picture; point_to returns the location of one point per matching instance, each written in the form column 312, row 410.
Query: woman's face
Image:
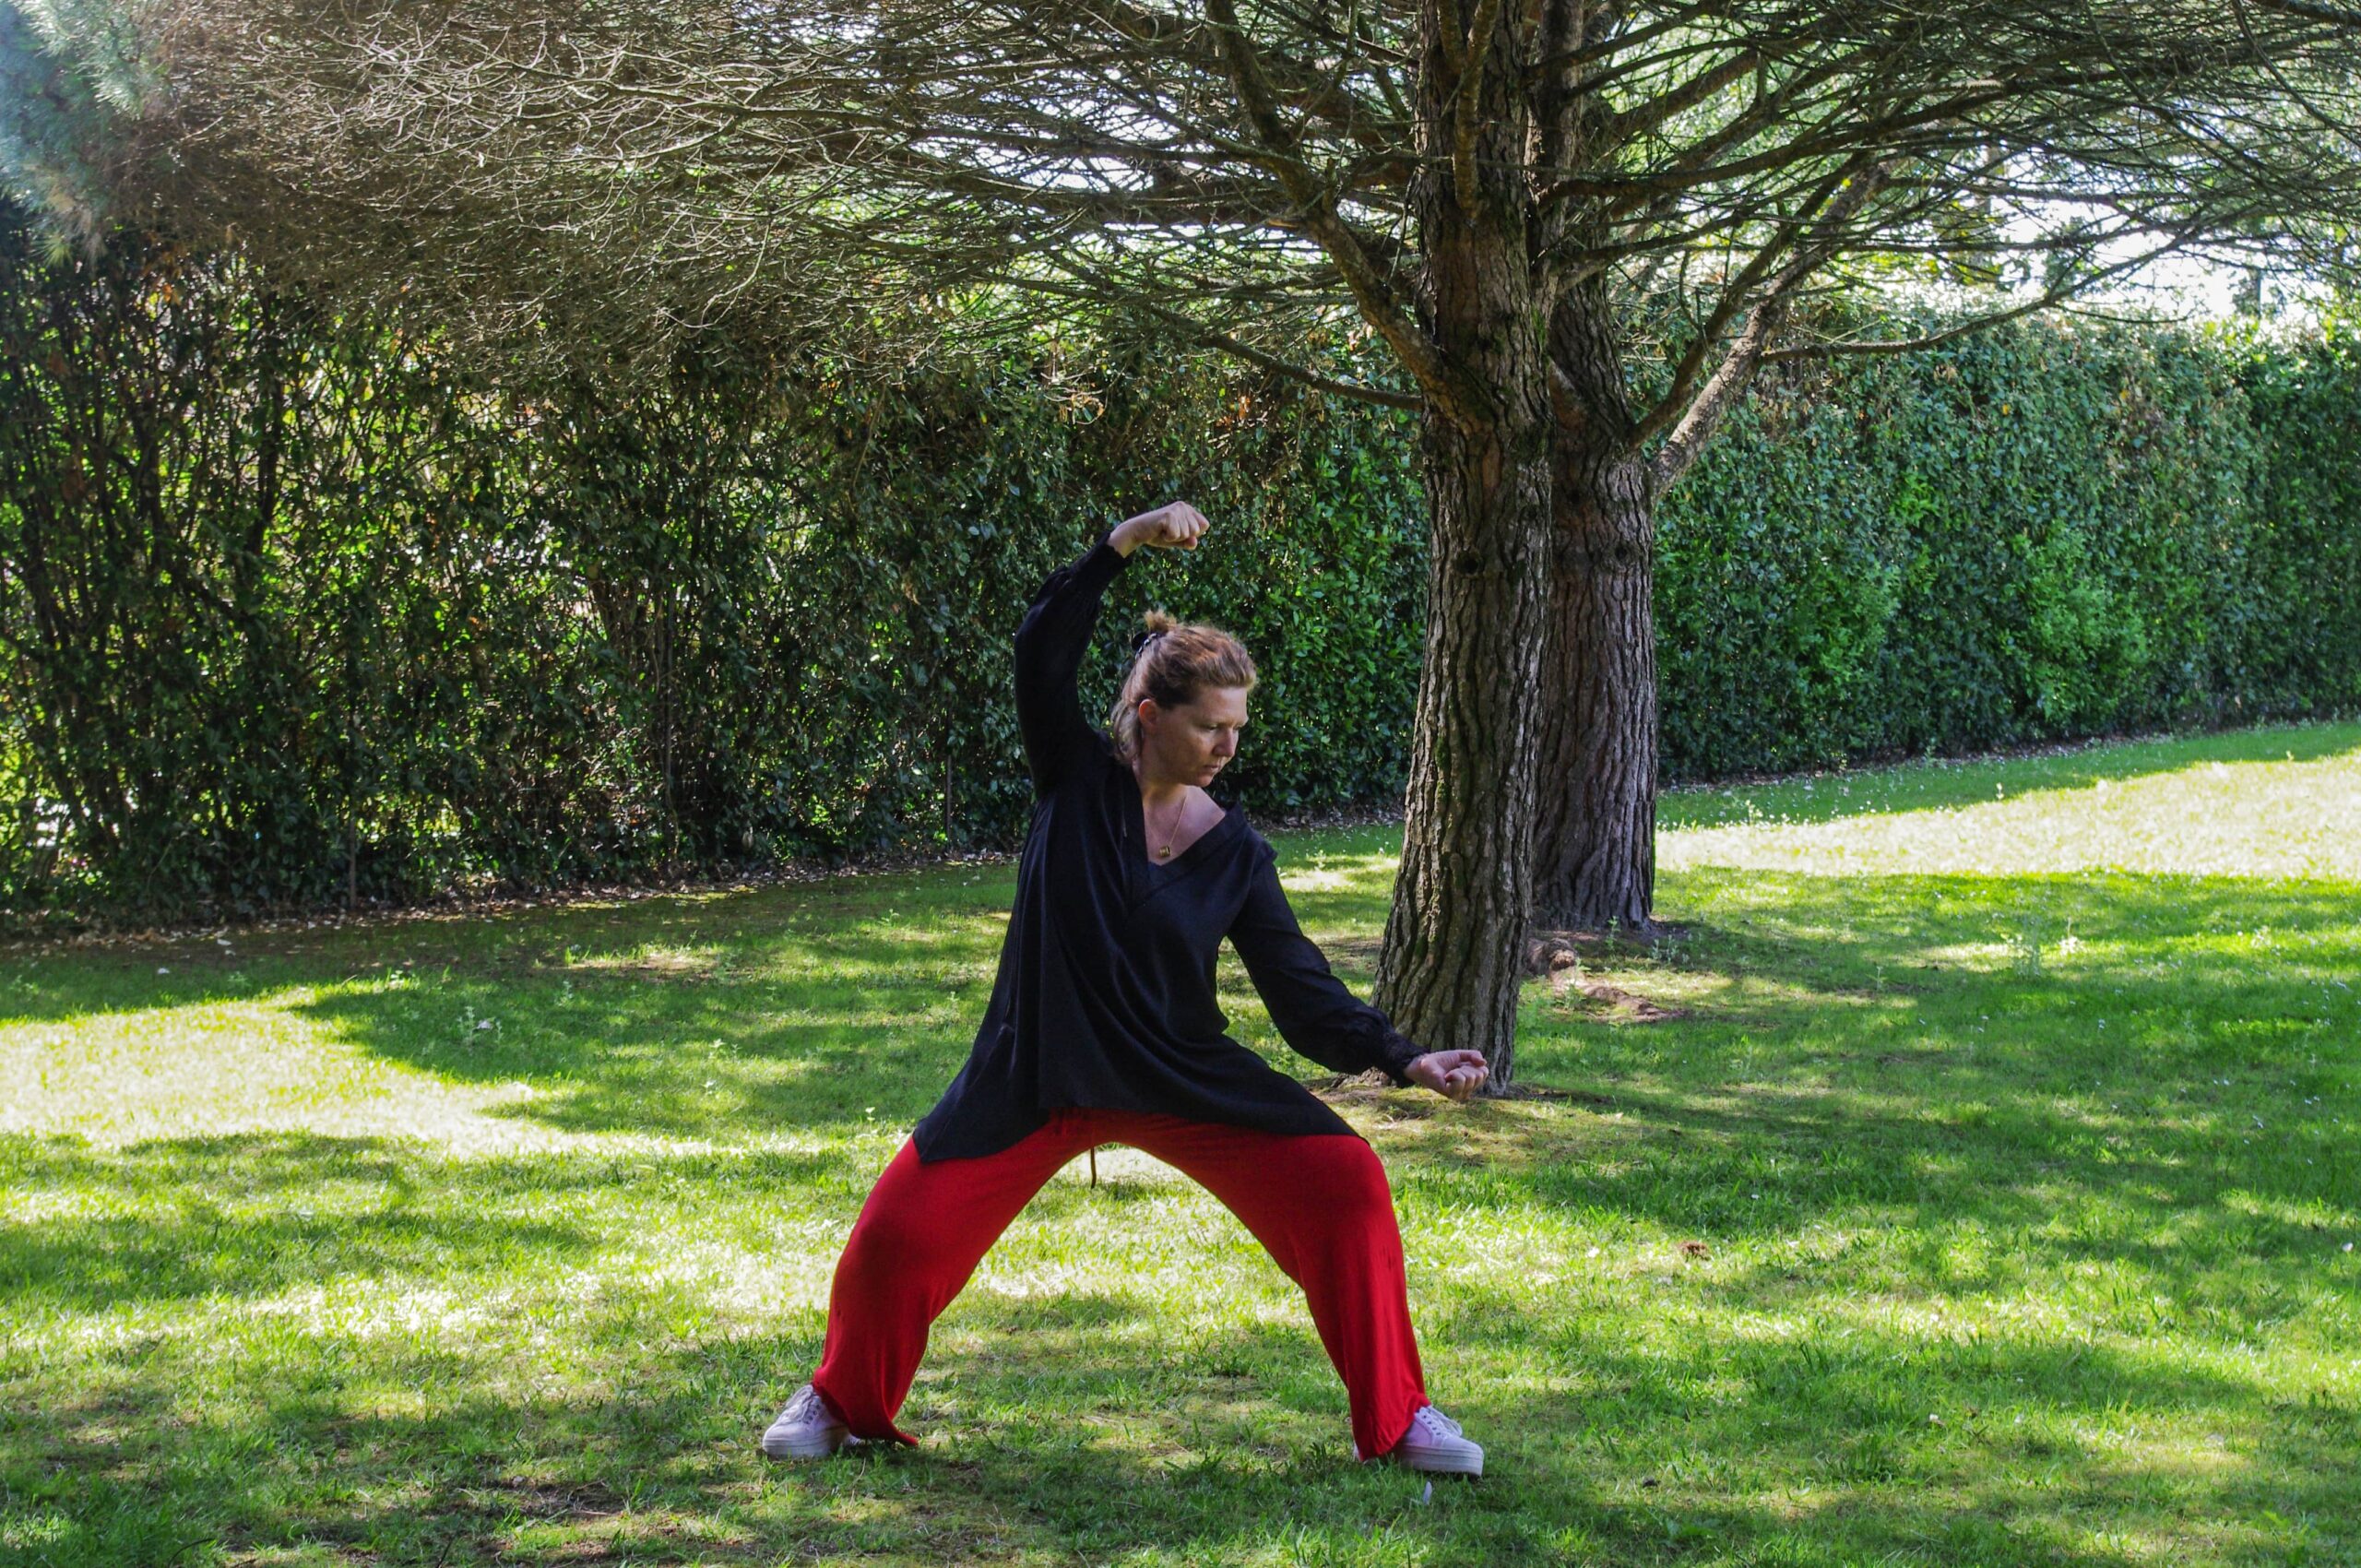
column 1192, row 742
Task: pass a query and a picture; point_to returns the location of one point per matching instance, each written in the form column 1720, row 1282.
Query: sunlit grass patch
column 2270, row 803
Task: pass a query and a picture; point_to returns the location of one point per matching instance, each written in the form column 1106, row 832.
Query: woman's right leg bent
column 919, row 1236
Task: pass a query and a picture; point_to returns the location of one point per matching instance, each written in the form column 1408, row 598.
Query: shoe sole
column 806, row 1448
column 1441, row 1466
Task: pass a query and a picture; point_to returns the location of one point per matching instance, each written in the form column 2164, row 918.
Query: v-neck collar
column 1139, row 820
column 1136, row 851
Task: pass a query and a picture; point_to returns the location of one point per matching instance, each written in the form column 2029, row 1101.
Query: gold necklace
column 1165, row 852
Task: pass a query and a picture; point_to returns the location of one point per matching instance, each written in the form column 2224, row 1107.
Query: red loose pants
column 1318, row 1202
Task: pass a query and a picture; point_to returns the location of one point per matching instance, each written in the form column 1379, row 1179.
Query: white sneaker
column 1435, row 1443
column 808, row 1428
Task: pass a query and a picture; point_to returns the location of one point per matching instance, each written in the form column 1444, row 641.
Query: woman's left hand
column 1455, row 1074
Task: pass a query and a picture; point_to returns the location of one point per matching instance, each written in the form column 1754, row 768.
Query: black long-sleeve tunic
column 1105, row 994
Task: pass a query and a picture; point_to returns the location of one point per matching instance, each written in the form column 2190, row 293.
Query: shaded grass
column 1988, row 1203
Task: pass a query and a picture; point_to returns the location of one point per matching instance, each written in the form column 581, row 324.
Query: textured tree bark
column 1452, row 960
column 1595, row 836
column 1451, row 967
column 1595, row 815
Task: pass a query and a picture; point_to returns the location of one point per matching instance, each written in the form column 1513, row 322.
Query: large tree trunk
column 1594, row 834
column 1451, row 966
column 1452, row 960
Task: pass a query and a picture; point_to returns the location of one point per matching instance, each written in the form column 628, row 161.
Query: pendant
column 1165, row 854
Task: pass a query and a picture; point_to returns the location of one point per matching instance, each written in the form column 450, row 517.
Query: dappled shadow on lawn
column 791, row 1008
column 2139, row 1071
column 1938, row 783
column 1052, row 1433
column 772, row 1028
column 1828, row 1451
column 1954, row 1219
column 1096, row 1421
column 236, row 1217
column 656, row 939
column 738, row 1038
column 243, row 1217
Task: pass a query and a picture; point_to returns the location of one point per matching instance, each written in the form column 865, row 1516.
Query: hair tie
column 1144, row 638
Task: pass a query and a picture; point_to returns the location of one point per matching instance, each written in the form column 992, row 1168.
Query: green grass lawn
column 1988, row 1197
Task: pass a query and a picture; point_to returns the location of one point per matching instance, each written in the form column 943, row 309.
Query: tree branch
column 1644, row 117
column 2055, row 296
column 1474, row 62
column 1372, row 292
column 1737, row 293
column 1764, row 321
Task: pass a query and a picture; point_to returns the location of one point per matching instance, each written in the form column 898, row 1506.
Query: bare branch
column 1228, row 343
column 2056, row 295
column 1378, row 303
column 1825, row 206
column 1767, row 315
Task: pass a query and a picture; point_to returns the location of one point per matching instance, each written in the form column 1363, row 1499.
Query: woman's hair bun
column 1158, row 623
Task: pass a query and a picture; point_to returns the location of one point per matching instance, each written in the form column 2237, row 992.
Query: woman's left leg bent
column 1321, row 1205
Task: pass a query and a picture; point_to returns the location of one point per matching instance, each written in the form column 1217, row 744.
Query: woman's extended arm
column 1313, row 1012
column 1056, row 630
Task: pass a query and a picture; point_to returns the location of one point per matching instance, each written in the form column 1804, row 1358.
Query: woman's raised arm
column 1055, row 631
column 1050, row 644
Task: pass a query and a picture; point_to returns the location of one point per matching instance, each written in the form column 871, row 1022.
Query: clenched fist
column 1171, row 527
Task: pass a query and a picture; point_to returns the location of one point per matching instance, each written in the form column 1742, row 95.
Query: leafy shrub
column 296, row 613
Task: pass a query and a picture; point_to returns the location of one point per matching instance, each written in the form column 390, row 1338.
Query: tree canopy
column 689, row 163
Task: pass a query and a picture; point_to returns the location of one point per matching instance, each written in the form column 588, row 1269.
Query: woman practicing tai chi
column 1103, row 1029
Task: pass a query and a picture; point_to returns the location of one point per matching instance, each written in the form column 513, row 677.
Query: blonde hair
column 1174, row 663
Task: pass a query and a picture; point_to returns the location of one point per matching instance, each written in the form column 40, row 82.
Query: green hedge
column 296, row 612
column 2045, row 531
column 2298, row 624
